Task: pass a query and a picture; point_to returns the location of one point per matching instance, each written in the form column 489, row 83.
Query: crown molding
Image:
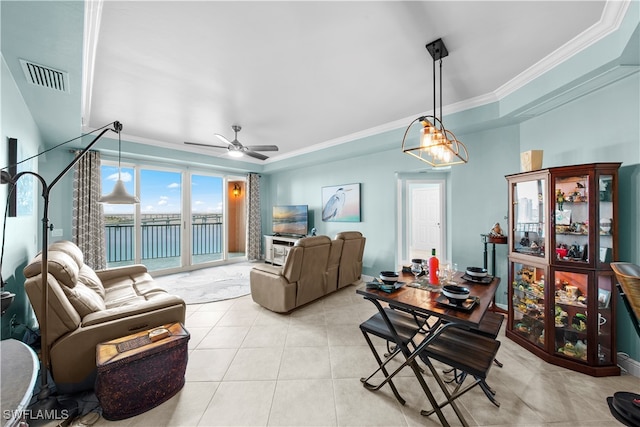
column 92, row 18
column 612, row 16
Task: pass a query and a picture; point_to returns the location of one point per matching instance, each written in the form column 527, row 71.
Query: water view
column 161, row 236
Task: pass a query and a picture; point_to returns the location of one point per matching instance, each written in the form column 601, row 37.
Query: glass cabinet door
column 605, row 322
column 572, row 219
column 605, row 220
column 529, row 217
column 570, row 314
column 528, row 302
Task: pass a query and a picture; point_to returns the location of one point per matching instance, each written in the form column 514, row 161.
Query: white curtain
column 254, row 222
column 88, row 217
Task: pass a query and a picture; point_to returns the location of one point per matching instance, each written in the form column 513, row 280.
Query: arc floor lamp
column 46, row 401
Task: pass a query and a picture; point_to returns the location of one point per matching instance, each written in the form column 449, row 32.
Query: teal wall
column 21, row 238
column 599, row 127
column 376, row 172
column 629, row 249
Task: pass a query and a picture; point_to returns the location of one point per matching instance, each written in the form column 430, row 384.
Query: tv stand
column 277, row 248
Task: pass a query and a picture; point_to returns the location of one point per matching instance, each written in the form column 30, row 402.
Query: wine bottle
column 434, row 264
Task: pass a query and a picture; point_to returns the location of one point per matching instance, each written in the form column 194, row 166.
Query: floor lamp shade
column 119, row 196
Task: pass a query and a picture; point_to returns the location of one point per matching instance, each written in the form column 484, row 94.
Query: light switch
column 56, row 232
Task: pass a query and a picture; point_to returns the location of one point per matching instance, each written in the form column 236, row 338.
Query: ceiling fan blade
column 223, row 138
column 262, row 147
column 255, row 155
column 205, row 145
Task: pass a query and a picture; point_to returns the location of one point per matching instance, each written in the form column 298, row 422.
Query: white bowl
column 456, row 294
column 477, row 271
column 389, row 276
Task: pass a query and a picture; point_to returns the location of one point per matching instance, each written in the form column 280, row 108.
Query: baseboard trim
column 628, row 364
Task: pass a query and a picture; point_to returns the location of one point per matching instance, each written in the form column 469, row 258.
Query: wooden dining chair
column 489, row 327
column 406, row 331
column 467, row 352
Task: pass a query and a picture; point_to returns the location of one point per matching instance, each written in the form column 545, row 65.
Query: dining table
column 427, row 302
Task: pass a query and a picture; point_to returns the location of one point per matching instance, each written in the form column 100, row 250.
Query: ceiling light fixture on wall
column 119, row 195
column 435, row 145
column 236, row 190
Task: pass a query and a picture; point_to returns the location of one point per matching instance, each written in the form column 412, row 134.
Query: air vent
column 40, row 75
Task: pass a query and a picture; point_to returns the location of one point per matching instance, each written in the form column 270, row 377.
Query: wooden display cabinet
column 563, row 235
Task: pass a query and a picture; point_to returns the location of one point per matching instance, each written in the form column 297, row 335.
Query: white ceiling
column 304, row 74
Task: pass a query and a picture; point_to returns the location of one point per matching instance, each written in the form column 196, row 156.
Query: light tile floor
column 251, row 367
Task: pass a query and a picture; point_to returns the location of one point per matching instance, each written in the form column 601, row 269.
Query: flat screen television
column 290, row 220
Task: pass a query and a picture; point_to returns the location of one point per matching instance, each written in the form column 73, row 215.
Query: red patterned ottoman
column 140, row 371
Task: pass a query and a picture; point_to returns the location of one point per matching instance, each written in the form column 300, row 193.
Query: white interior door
column 421, row 213
column 425, row 226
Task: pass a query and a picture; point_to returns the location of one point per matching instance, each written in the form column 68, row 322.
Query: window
column 158, row 234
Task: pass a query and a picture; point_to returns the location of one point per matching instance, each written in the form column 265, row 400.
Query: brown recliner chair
column 302, row 278
column 350, row 271
column 87, row 307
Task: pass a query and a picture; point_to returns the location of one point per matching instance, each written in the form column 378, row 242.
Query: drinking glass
column 443, row 274
column 446, row 267
column 416, row 269
column 452, row 271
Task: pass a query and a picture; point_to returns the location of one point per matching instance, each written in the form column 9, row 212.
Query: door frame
column 404, row 220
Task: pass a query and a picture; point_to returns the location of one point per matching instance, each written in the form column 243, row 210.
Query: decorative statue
column 496, row 230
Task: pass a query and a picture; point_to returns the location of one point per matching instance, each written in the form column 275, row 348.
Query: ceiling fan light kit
column 435, row 145
column 236, row 149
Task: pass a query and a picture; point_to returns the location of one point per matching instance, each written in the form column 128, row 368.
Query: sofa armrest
column 158, row 302
column 268, row 268
column 73, row 356
column 124, row 271
column 272, row 290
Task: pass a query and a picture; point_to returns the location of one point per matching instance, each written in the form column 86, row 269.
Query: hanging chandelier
column 434, row 144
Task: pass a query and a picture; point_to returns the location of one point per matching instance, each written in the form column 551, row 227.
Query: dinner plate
column 481, row 280
column 385, row 287
column 467, row 305
column 476, row 271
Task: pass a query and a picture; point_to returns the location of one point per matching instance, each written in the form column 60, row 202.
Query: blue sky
column 161, row 191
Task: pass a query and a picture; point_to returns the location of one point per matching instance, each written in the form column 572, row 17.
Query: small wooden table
column 136, row 373
column 488, row 239
column 423, row 303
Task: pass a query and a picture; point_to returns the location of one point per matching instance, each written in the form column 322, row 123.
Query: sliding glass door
column 161, row 221
column 207, row 225
column 159, row 234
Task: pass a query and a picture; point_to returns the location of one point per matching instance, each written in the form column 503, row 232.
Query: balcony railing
column 162, row 240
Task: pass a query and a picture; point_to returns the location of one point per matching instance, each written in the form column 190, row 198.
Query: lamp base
column 50, row 411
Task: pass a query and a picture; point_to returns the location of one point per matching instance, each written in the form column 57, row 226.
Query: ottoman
column 140, row 371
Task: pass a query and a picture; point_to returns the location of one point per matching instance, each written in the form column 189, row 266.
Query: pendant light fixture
column 433, row 143
column 119, row 195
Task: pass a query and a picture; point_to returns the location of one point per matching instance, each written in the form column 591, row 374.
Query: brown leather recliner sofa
column 87, row 307
column 315, row 266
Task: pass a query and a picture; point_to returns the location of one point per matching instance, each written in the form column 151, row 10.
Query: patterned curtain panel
column 88, row 216
column 254, row 225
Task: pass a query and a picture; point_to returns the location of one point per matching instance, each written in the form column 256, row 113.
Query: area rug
column 209, row 284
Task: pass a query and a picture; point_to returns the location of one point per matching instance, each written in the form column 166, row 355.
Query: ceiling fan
column 236, row 149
